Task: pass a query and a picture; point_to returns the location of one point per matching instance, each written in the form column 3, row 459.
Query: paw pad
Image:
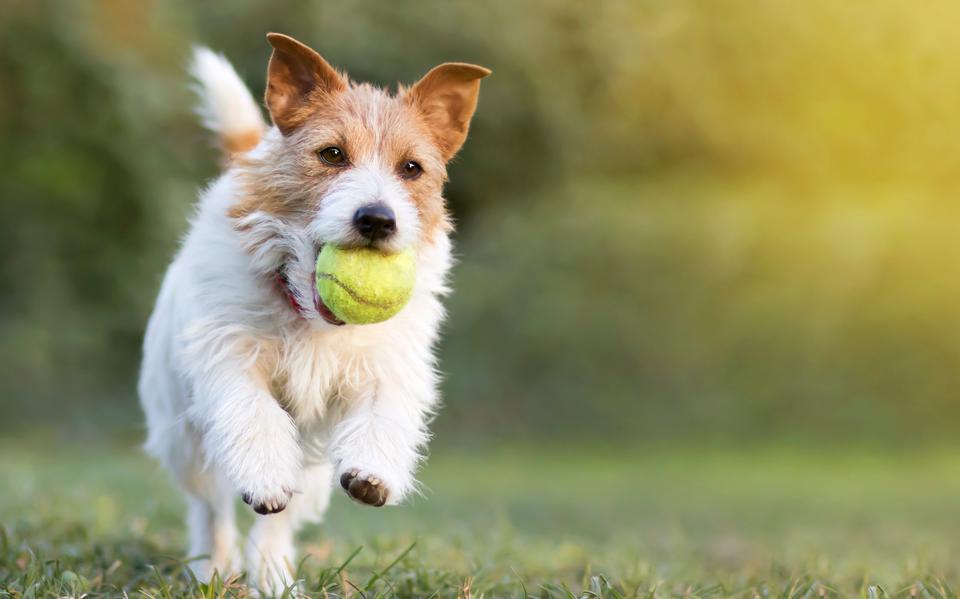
column 369, row 490
column 269, row 506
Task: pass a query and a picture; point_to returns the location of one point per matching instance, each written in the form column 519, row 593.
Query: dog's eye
column 333, row 156
column 411, row 170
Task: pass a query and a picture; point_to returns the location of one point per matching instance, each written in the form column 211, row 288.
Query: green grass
column 576, row 522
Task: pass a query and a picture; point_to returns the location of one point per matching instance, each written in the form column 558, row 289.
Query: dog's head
column 349, row 164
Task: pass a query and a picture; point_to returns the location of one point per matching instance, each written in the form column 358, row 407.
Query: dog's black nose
column 375, row 221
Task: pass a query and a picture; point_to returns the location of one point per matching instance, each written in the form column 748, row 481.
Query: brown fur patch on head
column 315, row 107
column 373, row 128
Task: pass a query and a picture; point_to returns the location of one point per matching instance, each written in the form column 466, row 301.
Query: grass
column 577, row 522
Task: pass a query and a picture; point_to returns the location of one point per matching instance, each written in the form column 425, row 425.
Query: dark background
column 676, row 220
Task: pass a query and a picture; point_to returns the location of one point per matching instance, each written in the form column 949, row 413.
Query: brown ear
column 295, row 71
column 447, row 98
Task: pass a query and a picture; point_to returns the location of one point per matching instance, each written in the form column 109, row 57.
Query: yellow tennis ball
column 364, row 285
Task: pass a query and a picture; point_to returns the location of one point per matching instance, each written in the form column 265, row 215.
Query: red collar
column 283, row 283
column 280, row 278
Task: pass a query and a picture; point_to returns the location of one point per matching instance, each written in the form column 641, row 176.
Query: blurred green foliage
column 676, row 219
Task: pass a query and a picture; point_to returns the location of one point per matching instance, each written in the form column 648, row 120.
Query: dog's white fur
column 332, row 399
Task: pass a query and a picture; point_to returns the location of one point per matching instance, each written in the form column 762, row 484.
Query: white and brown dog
column 250, row 386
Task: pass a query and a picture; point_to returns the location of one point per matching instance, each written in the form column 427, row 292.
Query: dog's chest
column 316, row 376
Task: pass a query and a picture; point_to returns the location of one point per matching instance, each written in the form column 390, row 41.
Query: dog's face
column 352, row 165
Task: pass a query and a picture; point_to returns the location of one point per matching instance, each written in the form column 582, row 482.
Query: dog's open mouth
column 325, row 312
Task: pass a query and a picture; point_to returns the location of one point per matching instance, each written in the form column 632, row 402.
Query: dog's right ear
column 295, row 72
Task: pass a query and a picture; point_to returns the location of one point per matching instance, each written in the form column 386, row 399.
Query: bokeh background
column 706, row 319
column 676, row 220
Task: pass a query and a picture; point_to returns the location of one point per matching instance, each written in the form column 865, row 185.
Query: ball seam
column 353, row 294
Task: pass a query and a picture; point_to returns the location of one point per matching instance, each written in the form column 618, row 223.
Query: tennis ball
column 364, row 285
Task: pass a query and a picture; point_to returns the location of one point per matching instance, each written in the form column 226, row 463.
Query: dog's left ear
column 447, row 98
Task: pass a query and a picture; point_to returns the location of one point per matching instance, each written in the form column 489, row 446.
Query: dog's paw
column 364, row 487
column 267, row 504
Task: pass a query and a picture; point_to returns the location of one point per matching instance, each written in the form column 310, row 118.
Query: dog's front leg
column 249, row 436
column 376, row 447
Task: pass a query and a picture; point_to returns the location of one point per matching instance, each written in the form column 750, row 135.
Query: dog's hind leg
column 211, row 527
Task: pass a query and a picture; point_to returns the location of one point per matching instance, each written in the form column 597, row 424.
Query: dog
column 250, row 386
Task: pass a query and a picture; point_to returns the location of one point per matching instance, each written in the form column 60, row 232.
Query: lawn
column 515, row 522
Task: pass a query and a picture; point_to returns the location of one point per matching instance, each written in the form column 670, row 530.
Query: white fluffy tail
column 226, row 106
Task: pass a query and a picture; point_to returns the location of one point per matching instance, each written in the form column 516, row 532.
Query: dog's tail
column 226, row 106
